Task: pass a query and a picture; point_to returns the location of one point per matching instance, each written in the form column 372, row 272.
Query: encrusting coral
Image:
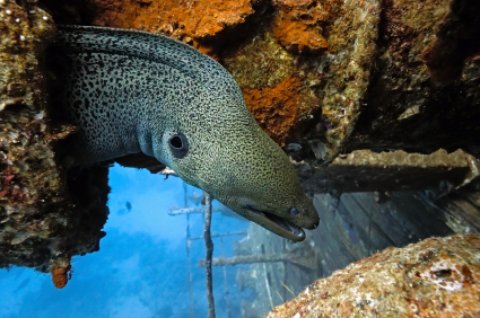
column 438, row 277
column 44, row 216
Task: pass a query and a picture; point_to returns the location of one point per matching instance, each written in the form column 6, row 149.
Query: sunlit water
column 142, row 268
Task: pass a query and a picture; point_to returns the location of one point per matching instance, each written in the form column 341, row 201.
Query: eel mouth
column 275, row 224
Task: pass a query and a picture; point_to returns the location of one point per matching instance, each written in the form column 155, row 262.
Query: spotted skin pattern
column 130, row 92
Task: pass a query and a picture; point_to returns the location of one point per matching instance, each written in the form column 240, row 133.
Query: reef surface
column 45, row 216
column 437, row 277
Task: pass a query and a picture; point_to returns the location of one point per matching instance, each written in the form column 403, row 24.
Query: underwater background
column 142, row 267
column 148, row 264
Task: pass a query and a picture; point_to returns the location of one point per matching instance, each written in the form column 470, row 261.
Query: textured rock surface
column 438, row 277
column 426, row 80
column 40, row 220
column 298, row 25
column 343, row 74
column 190, row 21
column 274, row 90
column 23, row 36
column 352, row 50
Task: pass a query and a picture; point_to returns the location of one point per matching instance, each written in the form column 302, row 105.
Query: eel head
column 238, row 164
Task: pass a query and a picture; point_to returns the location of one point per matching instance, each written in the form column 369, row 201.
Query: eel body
column 133, row 92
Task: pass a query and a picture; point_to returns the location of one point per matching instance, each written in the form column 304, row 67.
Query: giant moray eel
column 133, row 92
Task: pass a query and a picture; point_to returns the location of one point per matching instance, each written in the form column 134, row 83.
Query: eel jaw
column 274, row 223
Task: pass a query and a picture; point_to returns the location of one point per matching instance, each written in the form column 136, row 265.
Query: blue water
column 142, row 268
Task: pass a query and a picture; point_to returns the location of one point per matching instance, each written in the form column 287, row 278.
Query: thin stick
column 267, row 280
column 208, row 258
column 189, row 255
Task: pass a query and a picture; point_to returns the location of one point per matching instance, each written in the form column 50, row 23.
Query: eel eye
column 179, row 145
column 293, row 211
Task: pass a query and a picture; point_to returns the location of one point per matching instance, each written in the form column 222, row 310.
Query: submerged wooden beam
column 299, row 260
column 362, row 171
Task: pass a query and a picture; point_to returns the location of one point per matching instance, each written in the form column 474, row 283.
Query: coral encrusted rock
column 45, row 216
column 437, row 277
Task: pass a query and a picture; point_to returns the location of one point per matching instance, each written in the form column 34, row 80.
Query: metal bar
column 209, row 254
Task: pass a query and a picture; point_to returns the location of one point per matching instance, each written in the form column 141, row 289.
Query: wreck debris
column 409, row 105
column 457, row 39
column 364, row 170
column 438, row 277
column 208, row 258
column 353, row 226
column 44, row 216
column 351, row 58
column 23, row 130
